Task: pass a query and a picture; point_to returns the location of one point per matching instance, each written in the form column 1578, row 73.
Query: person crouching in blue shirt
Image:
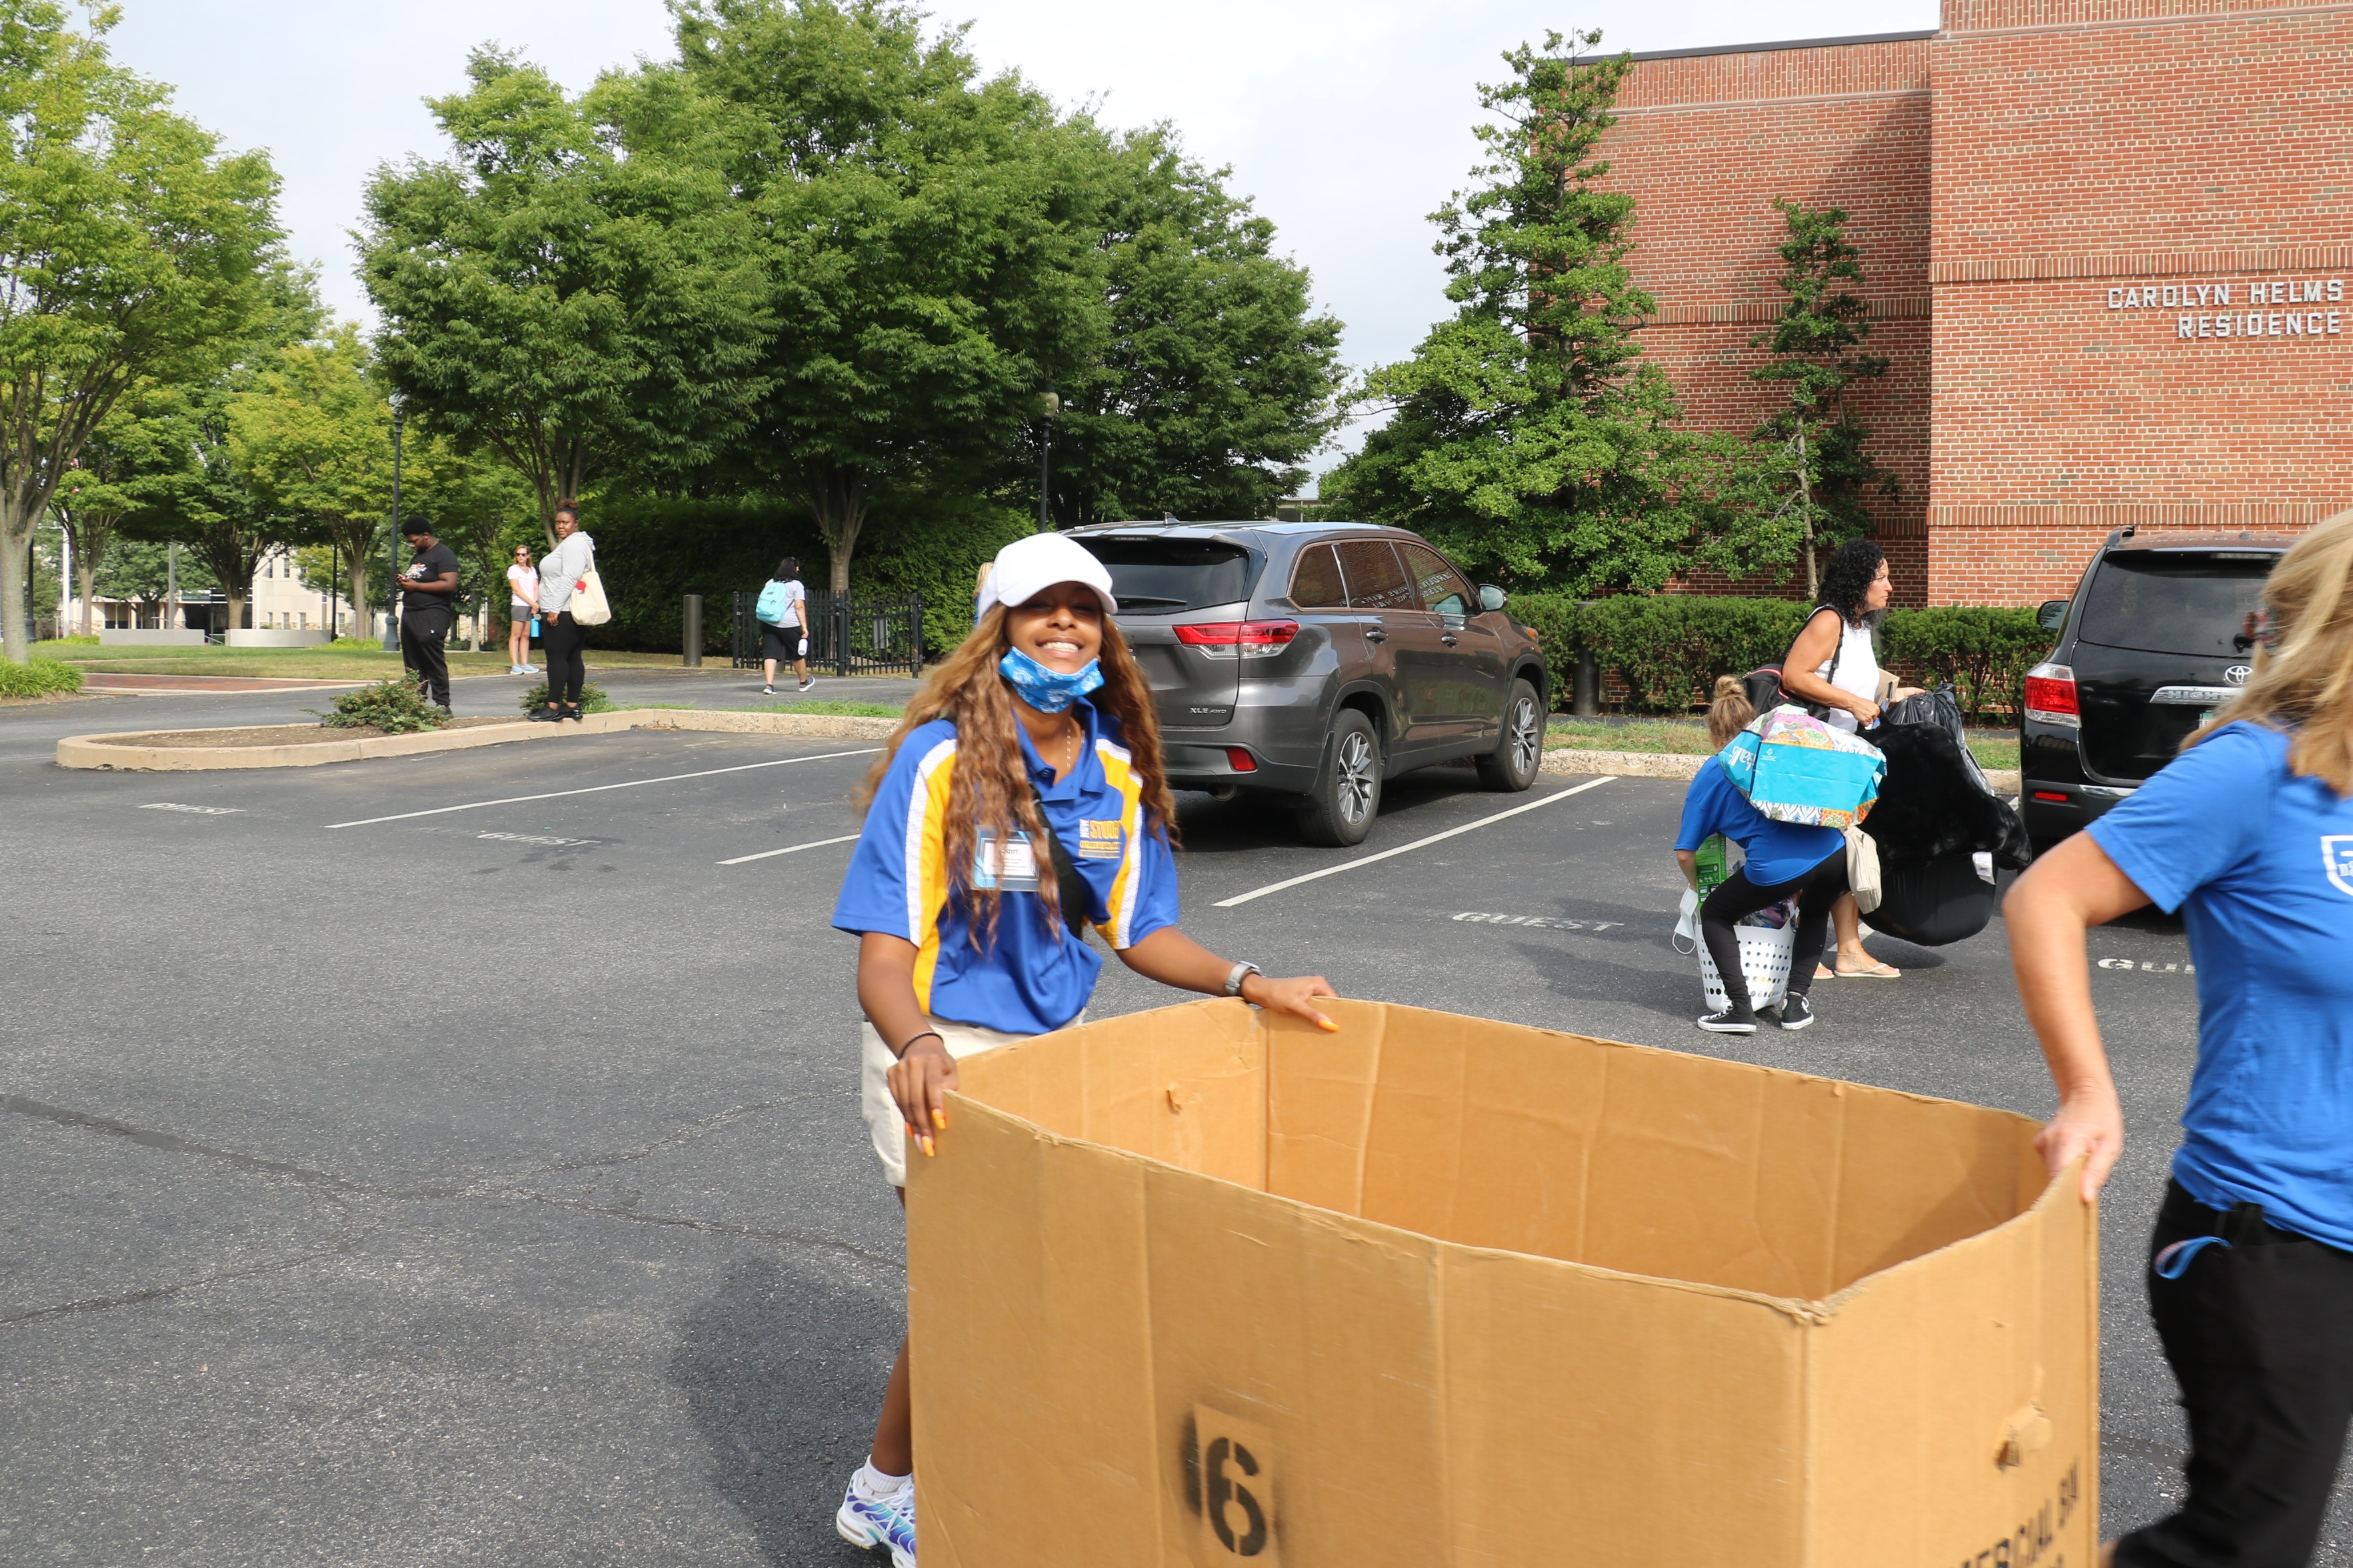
column 2249, row 834
column 1022, row 799
column 1785, row 861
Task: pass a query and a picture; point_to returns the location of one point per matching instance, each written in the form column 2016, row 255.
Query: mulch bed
column 281, row 734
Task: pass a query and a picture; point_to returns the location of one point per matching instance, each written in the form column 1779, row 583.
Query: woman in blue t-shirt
column 1785, row 861
column 1037, row 735
column 2249, row 832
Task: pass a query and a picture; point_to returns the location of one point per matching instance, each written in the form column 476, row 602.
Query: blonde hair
column 2302, row 682
column 990, row 788
column 1730, row 712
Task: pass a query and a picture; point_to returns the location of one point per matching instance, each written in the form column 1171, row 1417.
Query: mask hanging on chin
column 1048, row 690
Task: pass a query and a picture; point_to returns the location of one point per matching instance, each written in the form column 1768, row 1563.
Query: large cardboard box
column 1193, row 1287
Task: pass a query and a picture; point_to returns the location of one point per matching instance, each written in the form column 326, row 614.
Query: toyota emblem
column 2237, row 674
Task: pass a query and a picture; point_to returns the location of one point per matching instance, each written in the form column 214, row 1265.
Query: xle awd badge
column 2237, row 674
column 2337, row 854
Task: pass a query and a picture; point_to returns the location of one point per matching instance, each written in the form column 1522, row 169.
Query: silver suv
column 1311, row 661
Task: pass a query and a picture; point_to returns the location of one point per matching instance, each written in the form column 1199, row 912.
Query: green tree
column 1217, row 378
column 1816, row 469
column 311, row 437
column 929, row 240
column 100, row 487
column 130, row 245
column 578, row 291
column 1528, row 434
column 140, row 570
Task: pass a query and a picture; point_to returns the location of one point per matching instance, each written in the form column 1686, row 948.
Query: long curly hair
column 1846, row 582
column 989, row 789
column 2302, row 682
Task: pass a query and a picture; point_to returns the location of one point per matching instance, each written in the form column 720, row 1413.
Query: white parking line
column 598, row 789
column 790, row 849
column 1406, row 848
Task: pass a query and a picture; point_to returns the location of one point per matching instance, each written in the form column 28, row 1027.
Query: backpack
column 773, row 603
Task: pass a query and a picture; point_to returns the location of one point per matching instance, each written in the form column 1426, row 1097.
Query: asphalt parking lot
column 456, row 1158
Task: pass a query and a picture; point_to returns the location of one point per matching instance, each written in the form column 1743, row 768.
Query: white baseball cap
column 1029, row 566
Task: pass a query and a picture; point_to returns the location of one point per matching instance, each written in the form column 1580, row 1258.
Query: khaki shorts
column 882, row 1119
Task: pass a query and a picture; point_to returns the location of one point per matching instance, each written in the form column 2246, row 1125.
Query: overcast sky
column 1347, row 121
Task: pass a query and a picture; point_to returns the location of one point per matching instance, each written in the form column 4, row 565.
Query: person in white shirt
column 559, row 635
column 782, row 615
column 1834, row 663
column 522, row 603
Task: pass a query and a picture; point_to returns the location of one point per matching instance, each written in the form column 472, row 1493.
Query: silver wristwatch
column 1240, row 972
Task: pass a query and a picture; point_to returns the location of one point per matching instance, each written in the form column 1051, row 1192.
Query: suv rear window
column 2185, row 604
column 1160, row 576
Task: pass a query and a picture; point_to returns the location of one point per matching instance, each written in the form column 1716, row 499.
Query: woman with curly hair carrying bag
column 2249, row 834
column 1021, row 800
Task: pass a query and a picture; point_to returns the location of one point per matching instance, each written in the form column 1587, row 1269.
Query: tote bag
column 1795, row 768
column 588, row 606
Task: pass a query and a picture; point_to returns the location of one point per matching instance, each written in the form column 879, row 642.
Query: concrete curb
column 1665, row 765
column 122, row 753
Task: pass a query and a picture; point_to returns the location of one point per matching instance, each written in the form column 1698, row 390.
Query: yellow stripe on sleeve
column 927, row 862
column 1119, row 771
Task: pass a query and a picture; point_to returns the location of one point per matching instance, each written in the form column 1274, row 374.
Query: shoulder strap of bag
column 1069, row 886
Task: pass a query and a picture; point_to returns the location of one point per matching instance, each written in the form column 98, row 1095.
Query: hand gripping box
column 1196, row 1287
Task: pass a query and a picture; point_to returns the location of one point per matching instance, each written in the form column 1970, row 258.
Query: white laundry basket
column 1764, row 962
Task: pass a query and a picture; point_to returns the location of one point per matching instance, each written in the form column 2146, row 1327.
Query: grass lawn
column 334, row 662
column 1688, row 738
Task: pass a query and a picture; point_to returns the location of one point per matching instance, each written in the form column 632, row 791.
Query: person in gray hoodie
column 560, row 571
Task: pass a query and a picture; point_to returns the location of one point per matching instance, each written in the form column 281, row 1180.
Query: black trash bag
column 1935, row 800
column 1932, row 902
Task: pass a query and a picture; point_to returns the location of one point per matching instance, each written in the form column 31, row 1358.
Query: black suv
column 2160, row 634
column 1310, row 661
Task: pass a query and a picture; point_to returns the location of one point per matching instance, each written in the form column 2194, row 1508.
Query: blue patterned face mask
column 1048, row 690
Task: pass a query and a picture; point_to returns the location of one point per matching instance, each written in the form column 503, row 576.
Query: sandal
column 1878, row 971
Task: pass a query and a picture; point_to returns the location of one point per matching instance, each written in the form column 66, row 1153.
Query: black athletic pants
column 2260, row 1337
column 567, row 671
column 1736, row 896
column 424, row 635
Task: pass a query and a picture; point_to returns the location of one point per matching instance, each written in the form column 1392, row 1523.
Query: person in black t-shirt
column 428, row 589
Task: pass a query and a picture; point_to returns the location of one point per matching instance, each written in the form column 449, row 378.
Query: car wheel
column 1340, row 809
column 1513, row 764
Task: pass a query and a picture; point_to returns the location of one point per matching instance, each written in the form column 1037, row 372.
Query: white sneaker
column 887, row 1521
column 768, row 691
column 804, row 684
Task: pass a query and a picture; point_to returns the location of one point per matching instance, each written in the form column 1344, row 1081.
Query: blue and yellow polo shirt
column 1035, row 976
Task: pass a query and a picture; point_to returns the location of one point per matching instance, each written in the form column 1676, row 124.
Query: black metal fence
column 849, row 634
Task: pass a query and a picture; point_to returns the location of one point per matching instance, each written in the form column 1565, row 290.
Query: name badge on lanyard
column 1012, row 870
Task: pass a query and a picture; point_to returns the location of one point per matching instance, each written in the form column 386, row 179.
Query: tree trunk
column 1805, row 502
column 836, row 498
column 356, row 566
column 232, row 600
column 15, row 560
column 88, row 573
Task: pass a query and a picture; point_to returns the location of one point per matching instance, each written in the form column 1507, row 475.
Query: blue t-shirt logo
column 2337, row 854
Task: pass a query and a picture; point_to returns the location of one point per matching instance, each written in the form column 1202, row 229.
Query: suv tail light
column 1243, row 639
column 2051, row 696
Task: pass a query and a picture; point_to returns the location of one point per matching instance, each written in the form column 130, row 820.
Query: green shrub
column 41, row 678
column 593, row 699
column 1982, row 652
column 1553, row 618
column 392, row 706
column 359, row 645
column 90, row 641
column 1668, row 648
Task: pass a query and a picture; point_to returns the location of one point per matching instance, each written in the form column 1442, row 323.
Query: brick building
column 2107, row 245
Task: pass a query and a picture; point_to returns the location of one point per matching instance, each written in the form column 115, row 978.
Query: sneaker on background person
column 807, row 681
column 883, row 1515
column 768, row 691
column 1794, row 1012
column 1737, row 1018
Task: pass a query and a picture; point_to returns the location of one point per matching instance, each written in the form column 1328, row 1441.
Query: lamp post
column 391, row 590
column 1050, row 403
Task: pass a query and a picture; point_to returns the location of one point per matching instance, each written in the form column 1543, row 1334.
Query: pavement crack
column 710, row 1226
column 344, row 1242
column 685, row 1134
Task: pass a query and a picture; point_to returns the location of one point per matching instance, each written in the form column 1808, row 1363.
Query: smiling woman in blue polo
column 2249, row 834
column 1021, row 804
